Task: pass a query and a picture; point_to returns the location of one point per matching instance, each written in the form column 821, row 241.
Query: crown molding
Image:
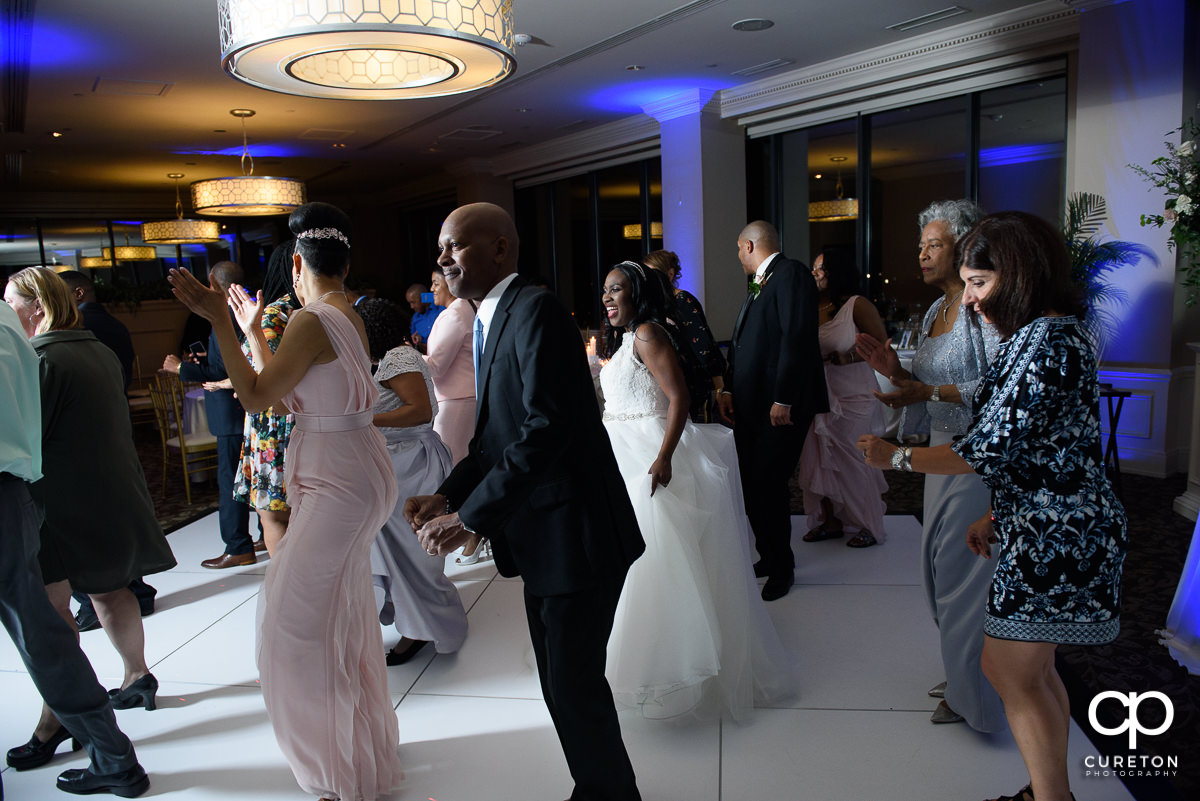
column 1050, row 23
column 602, row 143
column 686, row 103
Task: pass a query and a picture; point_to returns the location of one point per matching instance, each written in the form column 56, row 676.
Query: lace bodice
column 629, row 389
column 398, row 361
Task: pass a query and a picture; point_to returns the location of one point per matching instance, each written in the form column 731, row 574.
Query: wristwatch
column 937, row 394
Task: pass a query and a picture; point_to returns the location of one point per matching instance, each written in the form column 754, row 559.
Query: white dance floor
column 473, row 727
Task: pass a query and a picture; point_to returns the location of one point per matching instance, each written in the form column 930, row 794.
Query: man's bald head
column 756, row 242
column 763, row 235
column 226, row 273
column 82, row 288
column 478, row 247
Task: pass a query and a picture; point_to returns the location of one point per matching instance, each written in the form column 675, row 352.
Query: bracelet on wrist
column 902, row 459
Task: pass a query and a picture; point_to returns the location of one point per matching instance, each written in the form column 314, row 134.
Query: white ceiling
column 124, row 142
column 86, row 58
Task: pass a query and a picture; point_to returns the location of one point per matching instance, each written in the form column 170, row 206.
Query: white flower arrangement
column 1176, row 173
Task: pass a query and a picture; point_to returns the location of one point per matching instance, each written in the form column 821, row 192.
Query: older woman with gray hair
column 952, row 354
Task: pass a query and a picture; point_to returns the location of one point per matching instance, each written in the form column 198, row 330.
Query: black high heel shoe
column 35, row 753
column 140, row 693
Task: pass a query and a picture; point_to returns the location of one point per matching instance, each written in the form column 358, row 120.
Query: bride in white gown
column 691, row 634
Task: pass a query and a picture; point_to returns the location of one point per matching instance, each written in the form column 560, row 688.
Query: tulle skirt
column 691, row 634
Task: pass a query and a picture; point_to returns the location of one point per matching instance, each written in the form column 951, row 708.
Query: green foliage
column 1094, row 259
column 1178, row 173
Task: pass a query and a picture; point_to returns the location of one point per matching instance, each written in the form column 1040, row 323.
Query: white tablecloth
column 195, row 418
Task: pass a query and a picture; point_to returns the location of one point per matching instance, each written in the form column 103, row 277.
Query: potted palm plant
column 1094, row 258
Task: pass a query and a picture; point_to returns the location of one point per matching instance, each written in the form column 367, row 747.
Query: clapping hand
column 247, row 308
column 876, row 452
column 879, row 355
column 206, row 301
column 908, row 391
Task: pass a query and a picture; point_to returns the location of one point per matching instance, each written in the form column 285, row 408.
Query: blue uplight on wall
column 631, row 97
column 58, row 46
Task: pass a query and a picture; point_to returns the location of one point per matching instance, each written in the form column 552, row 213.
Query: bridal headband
column 324, row 233
column 641, row 271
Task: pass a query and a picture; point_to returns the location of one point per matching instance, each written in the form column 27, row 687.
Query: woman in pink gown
column 839, row 489
column 452, row 368
column 319, row 643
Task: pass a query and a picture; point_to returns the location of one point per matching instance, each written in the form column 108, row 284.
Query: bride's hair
column 653, row 302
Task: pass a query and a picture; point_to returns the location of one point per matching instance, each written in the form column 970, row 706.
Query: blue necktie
column 478, row 342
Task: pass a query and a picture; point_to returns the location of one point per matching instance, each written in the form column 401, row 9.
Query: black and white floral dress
column 1035, row 441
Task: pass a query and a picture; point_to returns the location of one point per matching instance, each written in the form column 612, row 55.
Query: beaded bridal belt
column 623, row 416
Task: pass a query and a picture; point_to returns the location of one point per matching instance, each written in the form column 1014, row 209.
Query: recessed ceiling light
column 56, row 134
column 635, row 68
column 838, row 158
column 339, row 145
column 818, row 176
column 753, row 24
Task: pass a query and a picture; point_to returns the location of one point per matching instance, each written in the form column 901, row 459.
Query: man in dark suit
column 775, row 386
column 226, row 418
column 108, row 329
column 540, row 481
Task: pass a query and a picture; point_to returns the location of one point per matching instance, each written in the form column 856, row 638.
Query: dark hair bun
column 315, row 215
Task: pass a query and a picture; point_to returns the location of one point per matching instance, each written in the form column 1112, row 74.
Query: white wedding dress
column 691, row 633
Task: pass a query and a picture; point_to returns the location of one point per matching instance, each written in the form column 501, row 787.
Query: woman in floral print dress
column 1035, row 441
column 260, row 481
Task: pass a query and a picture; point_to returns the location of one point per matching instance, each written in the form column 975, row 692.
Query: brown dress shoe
column 229, row 560
column 260, row 546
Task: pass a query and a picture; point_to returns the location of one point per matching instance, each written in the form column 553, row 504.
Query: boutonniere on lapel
column 756, row 286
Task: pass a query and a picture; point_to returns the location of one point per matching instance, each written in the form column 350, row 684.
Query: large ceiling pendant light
column 127, row 252
column 368, row 49
column 246, row 195
column 843, row 208
column 180, row 231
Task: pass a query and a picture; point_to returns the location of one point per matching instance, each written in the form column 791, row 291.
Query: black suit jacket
column 540, row 479
column 776, row 354
column 112, row 332
column 225, row 413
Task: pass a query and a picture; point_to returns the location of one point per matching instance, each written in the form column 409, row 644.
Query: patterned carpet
column 173, row 510
column 1134, row 662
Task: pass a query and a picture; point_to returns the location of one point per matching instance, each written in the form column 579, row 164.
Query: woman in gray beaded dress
column 411, row 587
column 952, row 355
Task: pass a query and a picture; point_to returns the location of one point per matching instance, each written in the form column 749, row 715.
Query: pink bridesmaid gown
column 452, row 368
column 831, row 465
column 320, row 650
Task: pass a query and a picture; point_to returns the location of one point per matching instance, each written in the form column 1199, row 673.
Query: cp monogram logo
column 1132, row 723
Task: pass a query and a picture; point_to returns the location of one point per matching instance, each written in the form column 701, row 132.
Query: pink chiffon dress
column 320, row 649
column 831, row 466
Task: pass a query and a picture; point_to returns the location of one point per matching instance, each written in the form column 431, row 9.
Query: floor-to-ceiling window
column 861, row 181
column 574, row 229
